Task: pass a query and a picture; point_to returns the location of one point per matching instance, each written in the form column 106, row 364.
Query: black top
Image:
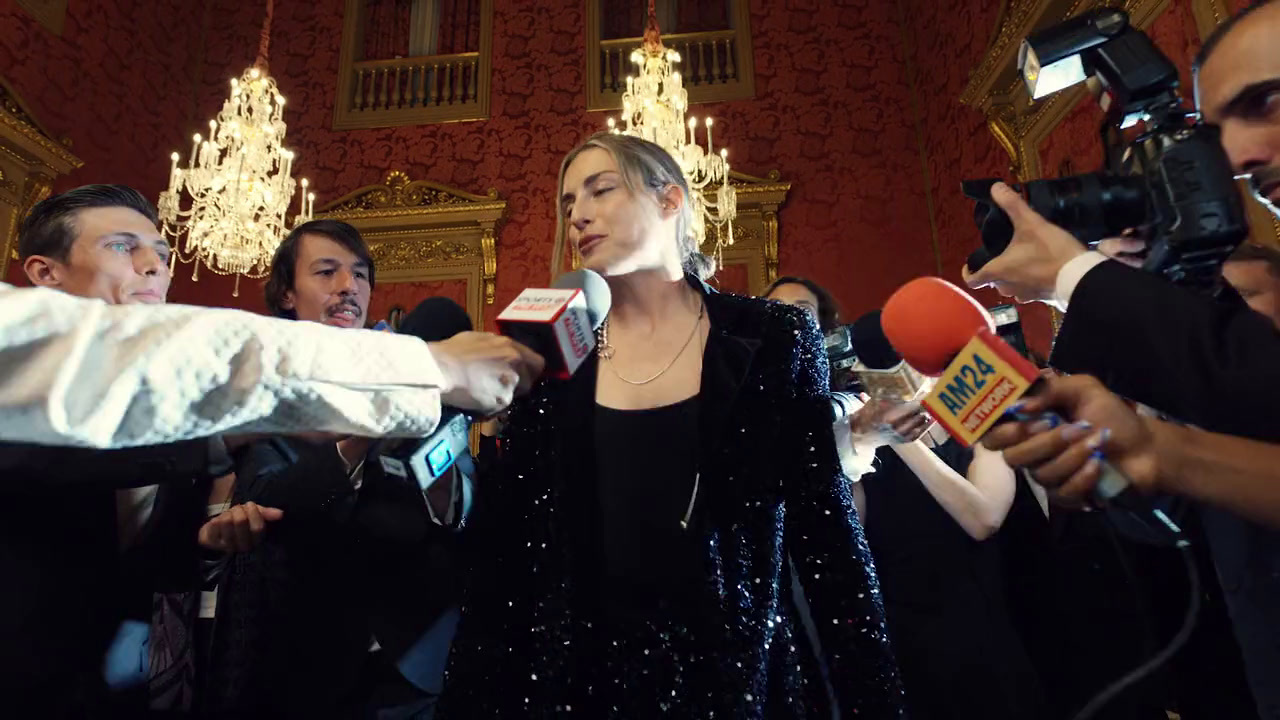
column 646, row 464
column 959, row 654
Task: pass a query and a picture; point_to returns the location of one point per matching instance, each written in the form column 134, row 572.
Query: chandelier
column 239, row 182
column 653, row 108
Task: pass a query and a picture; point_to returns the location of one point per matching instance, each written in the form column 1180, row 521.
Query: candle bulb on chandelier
column 709, row 136
column 195, row 144
column 173, row 172
column 693, row 123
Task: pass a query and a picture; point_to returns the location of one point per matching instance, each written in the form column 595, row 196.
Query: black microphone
column 559, row 323
column 423, row 460
column 882, row 371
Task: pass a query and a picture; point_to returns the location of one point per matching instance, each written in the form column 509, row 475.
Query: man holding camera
column 1212, row 362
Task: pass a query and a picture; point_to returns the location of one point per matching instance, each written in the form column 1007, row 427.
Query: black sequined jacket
column 772, row 505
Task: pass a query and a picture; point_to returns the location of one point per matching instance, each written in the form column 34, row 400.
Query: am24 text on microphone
column 559, row 323
column 942, row 331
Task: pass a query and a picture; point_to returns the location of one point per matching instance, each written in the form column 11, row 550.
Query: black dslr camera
column 1171, row 183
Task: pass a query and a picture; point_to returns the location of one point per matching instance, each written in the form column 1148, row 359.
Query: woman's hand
column 894, row 422
column 1065, row 459
column 239, row 529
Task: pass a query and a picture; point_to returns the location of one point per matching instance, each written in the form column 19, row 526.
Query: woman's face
column 615, row 231
column 798, row 295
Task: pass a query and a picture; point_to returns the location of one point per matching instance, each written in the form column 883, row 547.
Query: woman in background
column 635, row 557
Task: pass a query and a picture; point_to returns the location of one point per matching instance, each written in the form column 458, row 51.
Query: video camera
column 1171, row 183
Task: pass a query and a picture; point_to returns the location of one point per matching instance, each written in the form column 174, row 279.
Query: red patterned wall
column 407, row 295
column 829, row 115
column 117, row 83
column 835, row 113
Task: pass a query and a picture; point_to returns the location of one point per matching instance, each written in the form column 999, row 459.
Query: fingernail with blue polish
column 1097, row 441
column 1077, row 430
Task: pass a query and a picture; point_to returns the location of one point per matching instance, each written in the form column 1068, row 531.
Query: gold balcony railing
column 411, row 90
column 715, row 66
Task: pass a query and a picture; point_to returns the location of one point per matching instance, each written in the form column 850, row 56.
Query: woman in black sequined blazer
column 635, row 548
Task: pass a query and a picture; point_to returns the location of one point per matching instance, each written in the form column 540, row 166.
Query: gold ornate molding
column 49, row 13
column 30, row 160
column 422, row 230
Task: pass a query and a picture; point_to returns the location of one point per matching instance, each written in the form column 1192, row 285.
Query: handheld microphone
column 424, row 460
column 559, row 323
column 882, row 371
column 943, row 332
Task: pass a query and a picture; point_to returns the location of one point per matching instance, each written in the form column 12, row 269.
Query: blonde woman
column 636, row 546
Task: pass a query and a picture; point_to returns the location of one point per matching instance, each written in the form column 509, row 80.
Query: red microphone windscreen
column 929, row 321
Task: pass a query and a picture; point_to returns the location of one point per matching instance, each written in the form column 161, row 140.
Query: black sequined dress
column 534, row 641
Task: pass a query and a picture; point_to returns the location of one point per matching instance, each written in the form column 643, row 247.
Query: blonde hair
column 643, row 166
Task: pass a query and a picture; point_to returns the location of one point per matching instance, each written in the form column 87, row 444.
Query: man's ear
column 287, row 301
column 43, row 271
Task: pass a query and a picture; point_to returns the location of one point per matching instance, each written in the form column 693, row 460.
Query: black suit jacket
column 60, row 560
column 296, row 615
column 1212, row 363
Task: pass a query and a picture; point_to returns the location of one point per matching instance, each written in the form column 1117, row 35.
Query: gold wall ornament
column 398, row 254
column 52, row 14
column 996, row 89
column 755, row 229
column 399, row 192
column 419, row 230
column 30, row 160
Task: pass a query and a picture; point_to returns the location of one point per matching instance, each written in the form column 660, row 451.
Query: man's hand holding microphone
column 483, row 372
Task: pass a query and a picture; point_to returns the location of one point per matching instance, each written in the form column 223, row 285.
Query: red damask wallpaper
column 118, row 83
column 829, row 115
column 856, row 105
column 407, row 295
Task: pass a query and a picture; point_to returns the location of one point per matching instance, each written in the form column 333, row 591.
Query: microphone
column 882, row 371
column 559, row 323
column 424, row 460
column 943, row 332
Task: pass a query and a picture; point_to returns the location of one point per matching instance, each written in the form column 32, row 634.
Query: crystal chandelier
column 653, row 108
column 239, row 182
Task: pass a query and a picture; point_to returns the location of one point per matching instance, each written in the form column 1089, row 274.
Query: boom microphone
column 942, row 331
column 559, row 323
column 882, row 371
column 424, row 460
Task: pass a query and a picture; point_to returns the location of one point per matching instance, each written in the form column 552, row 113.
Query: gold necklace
column 606, row 350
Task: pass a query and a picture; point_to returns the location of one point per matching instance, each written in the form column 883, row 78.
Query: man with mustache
column 342, row 589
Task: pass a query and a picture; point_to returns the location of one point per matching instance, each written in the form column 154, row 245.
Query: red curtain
column 626, row 18
column 386, row 29
column 459, row 26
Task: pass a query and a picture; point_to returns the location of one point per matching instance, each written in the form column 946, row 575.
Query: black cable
column 1184, row 633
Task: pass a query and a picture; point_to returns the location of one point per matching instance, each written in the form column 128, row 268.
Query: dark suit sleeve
column 309, row 482
column 128, row 467
column 824, row 539
column 1210, row 362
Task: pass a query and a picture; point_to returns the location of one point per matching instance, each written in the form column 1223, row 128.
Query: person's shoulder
column 768, row 319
